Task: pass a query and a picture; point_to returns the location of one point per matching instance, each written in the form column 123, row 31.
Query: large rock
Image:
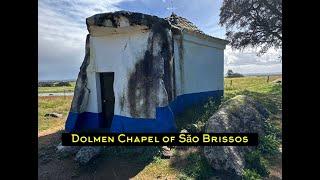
column 240, row 114
column 86, row 153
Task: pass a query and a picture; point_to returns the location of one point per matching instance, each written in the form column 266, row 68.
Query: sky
column 62, row 31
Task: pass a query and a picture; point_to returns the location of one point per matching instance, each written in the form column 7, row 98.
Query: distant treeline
column 54, row 84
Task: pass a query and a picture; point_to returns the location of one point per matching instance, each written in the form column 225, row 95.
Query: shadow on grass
column 112, row 163
column 194, row 117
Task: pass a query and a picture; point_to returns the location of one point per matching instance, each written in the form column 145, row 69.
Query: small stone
column 166, row 152
column 183, row 131
column 165, row 148
column 55, row 115
column 86, row 153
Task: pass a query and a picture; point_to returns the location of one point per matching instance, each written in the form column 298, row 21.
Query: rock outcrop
column 240, row 114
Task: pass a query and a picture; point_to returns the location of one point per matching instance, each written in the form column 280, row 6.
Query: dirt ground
column 51, row 166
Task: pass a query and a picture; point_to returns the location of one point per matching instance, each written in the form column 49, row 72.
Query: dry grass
column 49, row 104
column 158, row 169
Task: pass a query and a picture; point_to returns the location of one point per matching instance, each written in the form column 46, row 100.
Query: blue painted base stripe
column 83, row 121
column 186, row 100
column 163, row 123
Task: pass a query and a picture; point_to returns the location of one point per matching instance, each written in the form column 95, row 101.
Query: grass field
column 185, row 164
column 50, row 104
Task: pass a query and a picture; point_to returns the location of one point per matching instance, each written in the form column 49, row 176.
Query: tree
column 256, row 23
column 229, row 72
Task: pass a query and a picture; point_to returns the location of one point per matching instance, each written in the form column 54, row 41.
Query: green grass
column 197, row 167
column 59, row 89
column 268, row 93
column 51, row 104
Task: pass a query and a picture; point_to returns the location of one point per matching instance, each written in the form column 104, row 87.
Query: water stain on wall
column 150, row 73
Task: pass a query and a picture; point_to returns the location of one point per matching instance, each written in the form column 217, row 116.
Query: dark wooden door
column 107, row 98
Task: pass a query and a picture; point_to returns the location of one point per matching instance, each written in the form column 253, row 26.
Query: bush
column 255, row 161
column 272, row 130
column 249, row 174
column 209, row 108
column 197, row 168
column 193, row 119
column 269, row 145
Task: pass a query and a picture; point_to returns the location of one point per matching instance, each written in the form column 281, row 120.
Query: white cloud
column 61, row 35
column 247, row 61
column 249, row 56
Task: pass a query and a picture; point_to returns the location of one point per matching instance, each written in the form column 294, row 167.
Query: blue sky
column 62, row 31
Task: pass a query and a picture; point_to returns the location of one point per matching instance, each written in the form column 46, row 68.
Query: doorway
column 107, row 99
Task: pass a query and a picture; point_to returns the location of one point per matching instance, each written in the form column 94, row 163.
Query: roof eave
column 207, row 37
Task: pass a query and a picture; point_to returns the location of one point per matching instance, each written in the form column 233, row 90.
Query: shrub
column 255, row 161
column 272, row 130
column 269, row 145
column 249, row 174
column 198, row 167
column 209, row 108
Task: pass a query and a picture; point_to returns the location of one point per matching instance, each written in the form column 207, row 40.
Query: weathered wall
column 118, row 53
column 138, row 60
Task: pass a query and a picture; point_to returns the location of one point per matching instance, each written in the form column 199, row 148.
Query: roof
column 185, row 25
column 111, row 19
column 182, row 23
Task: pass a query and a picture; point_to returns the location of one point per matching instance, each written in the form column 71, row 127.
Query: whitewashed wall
column 201, row 67
column 116, row 53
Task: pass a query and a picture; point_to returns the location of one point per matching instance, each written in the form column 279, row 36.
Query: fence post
column 231, row 82
column 64, row 93
column 268, row 79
